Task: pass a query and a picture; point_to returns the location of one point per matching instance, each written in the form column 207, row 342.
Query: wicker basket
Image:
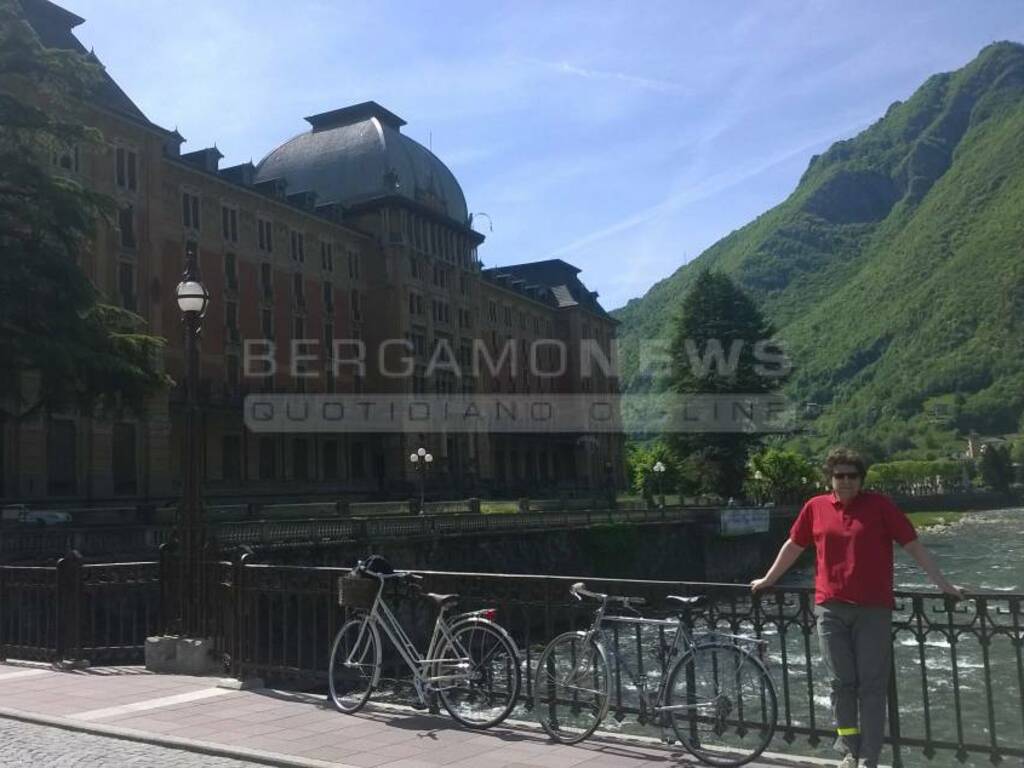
column 357, row 592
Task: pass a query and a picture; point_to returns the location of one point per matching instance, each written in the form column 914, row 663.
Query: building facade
column 350, row 235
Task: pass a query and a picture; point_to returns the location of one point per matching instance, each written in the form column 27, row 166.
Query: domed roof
column 359, row 153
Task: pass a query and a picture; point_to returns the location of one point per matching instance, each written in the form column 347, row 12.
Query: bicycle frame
column 682, row 639
column 382, row 617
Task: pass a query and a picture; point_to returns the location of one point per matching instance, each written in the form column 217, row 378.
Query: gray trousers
column 856, row 643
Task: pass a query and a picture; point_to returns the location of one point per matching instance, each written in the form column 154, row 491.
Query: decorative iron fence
column 957, row 688
column 77, row 611
column 952, row 662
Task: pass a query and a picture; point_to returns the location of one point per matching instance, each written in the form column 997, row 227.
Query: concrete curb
column 172, row 742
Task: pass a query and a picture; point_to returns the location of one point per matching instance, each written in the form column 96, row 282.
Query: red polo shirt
column 854, row 546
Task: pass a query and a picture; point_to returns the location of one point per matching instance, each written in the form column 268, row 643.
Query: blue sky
column 622, row 137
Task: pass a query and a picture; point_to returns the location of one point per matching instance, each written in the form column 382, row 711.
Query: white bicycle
column 471, row 663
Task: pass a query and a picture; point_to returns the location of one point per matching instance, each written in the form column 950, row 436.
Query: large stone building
column 349, row 231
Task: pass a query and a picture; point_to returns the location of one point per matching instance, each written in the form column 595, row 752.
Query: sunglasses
column 846, row 476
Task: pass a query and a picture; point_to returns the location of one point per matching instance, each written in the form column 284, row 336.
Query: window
column 299, row 328
column 414, row 267
column 536, row 325
column 126, row 169
column 126, row 285
column 330, row 460
column 231, row 458
column 229, row 221
column 328, row 337
column 441, row 311
column 231, row 368
column 327, row 256
column 61, row 457
column 353, row 265
column 264, row 235
column 464, row 285
column 298, row 246
column 267, row 324
column 126, row 223
column 267, row 281
column 267, row 458
column 231, row 271
column 415, row 303
column 492, row 311
column 231, row 321
column 66, row 158
column 190, row 210
column 123, row 458
column 419, row 342
column 300, row 459
column 465, row 318
column 508, row 316
column 328, row 297
column 297, row 290
column 357, row 309
column 357, row 467
column 440, row 276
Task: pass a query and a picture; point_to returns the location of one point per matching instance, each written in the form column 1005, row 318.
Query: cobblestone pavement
column 27, row 745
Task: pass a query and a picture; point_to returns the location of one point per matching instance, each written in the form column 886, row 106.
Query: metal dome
column 359, row 153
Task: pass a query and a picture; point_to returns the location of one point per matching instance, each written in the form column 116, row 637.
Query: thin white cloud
column 702, row 190
column 645, row 83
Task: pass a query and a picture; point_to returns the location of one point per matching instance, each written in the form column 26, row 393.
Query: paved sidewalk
column 292, row 729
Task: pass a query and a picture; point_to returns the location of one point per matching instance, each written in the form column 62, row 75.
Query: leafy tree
column 996, row 467
column 79, row 351
column 714, row 352
column 641, row 459
column 909, row 476
column 780, row 476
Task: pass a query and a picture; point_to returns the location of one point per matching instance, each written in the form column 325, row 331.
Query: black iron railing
column 957, row 688
column 956, row 692
column 73, row 611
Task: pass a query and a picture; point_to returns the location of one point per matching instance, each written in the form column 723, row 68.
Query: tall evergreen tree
column 56, row 330
column 714, row 352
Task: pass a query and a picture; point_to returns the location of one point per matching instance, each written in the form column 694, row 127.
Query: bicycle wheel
column 479, row 674
column 727, row 704
column 355, row 665
column 571, row 688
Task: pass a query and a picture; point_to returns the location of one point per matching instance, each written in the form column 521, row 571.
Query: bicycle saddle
column 689, row 602
column 441, row 601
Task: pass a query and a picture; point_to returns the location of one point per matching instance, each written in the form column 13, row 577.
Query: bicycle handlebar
column 361, row 569
column 579, row 591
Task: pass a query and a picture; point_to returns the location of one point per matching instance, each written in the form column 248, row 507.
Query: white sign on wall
column 742, row 521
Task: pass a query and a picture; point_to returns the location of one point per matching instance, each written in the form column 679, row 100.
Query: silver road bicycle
column 715, row 697
column 471, row 663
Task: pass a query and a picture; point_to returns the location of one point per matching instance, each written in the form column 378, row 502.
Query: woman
column 852, row 531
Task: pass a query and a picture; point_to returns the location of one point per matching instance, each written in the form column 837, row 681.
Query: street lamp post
column 421, row 459
column 659, row 470
column 193, row 301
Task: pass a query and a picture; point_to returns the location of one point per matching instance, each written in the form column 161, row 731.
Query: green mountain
column 894, row 271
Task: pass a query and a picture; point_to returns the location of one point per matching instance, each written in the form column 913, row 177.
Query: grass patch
column 929, row 519
column 498, row 507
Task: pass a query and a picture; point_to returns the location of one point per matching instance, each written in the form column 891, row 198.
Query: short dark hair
column 841, row 455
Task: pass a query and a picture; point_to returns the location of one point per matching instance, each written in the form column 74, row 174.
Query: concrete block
column 161, row 654
column 249, row 684
column 173, row 655
column 196, row 657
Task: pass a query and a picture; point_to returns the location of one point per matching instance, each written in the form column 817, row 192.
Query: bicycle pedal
column 420, row 705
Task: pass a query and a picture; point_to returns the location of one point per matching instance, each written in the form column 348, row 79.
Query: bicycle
column 471, row 663
column 716, row 698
